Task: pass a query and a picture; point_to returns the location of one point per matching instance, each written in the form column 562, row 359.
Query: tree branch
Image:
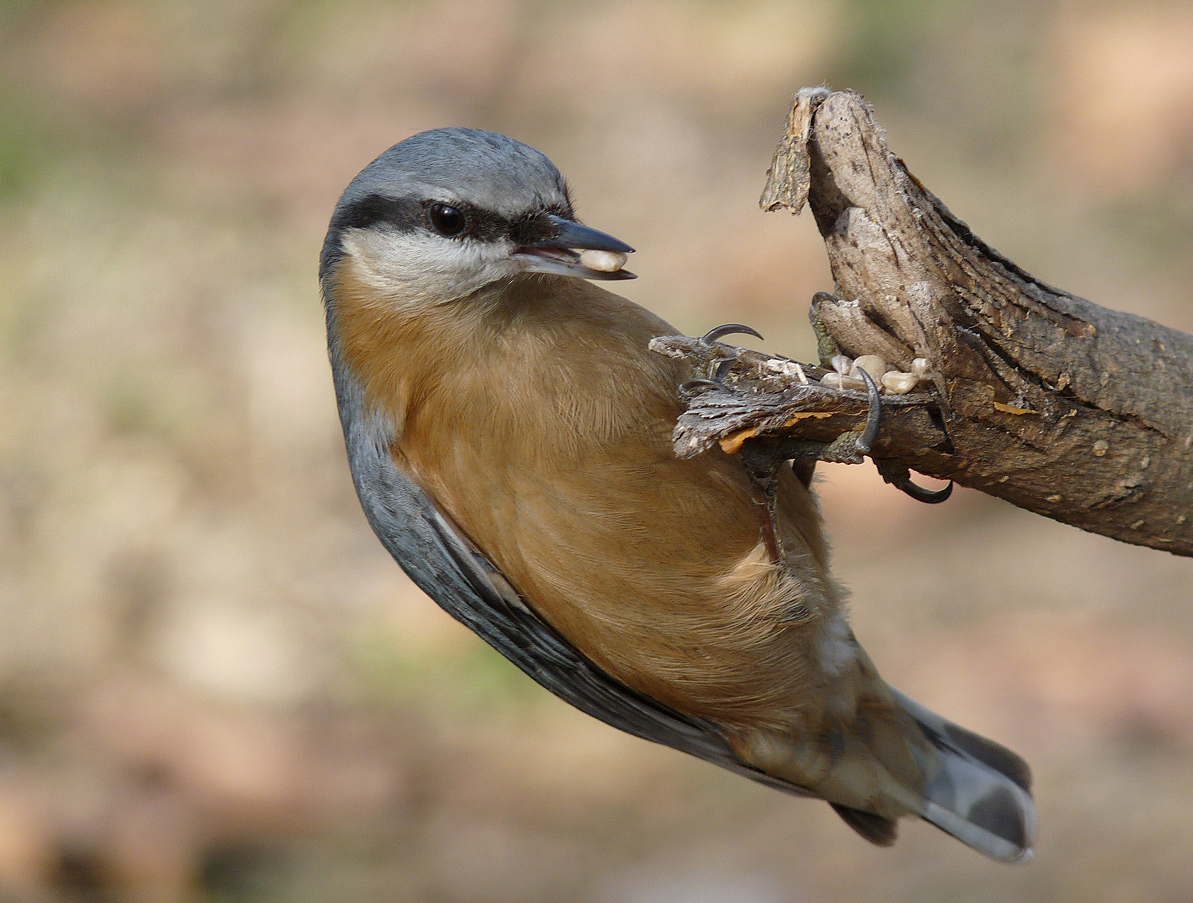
column 1076, row 412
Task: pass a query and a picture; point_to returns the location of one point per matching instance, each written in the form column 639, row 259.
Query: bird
column 508, row 431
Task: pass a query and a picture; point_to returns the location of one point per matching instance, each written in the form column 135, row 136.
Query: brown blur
column 214, row 683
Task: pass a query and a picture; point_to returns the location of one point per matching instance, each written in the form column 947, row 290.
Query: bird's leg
column 762, row 467
column 852, row 446
column 826, row 345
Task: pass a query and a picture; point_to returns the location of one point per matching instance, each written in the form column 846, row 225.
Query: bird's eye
column 447, row 220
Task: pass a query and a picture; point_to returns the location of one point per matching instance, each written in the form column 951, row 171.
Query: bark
column 1038, row 397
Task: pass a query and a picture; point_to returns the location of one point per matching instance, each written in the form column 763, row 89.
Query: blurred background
column 214, row 683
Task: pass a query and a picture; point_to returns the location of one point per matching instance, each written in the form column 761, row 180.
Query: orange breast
column 541, row 425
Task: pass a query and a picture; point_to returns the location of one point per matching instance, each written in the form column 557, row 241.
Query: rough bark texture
column 1041, row 398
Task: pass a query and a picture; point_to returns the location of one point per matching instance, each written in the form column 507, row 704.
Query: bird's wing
column 462, row 581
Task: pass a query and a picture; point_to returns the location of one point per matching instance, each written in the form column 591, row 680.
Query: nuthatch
column 509, row 435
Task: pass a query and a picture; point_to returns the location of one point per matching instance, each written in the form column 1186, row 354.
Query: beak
column 559, row 252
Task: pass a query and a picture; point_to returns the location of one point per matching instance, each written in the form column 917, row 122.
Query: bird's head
column 447, row 212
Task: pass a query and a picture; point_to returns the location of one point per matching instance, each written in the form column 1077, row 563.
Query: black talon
column 900, row 478
column 866, row 440
column 689, row 386
column 720, row 332
column 927, row 496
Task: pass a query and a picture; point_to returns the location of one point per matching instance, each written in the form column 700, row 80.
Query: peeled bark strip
column 1076, row 412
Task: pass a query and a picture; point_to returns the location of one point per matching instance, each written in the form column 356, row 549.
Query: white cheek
column 421, row 268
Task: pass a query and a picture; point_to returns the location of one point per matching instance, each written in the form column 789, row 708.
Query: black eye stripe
column 485, row 225
column 404, row 213
column 411, row 213
column 531, row 228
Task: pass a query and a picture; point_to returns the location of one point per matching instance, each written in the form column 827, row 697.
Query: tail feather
column 878, row 829
column 982, row 793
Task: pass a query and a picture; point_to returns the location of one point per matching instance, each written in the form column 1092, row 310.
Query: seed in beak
column 603, row 261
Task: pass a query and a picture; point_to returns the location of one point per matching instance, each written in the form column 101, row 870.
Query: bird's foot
column 716, row 380
column 852, row 446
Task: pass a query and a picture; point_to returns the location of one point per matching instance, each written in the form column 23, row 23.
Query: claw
column 719, row 332
column 689, row 386
column 900, row 478
column 927, row 496
column 866, row 440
